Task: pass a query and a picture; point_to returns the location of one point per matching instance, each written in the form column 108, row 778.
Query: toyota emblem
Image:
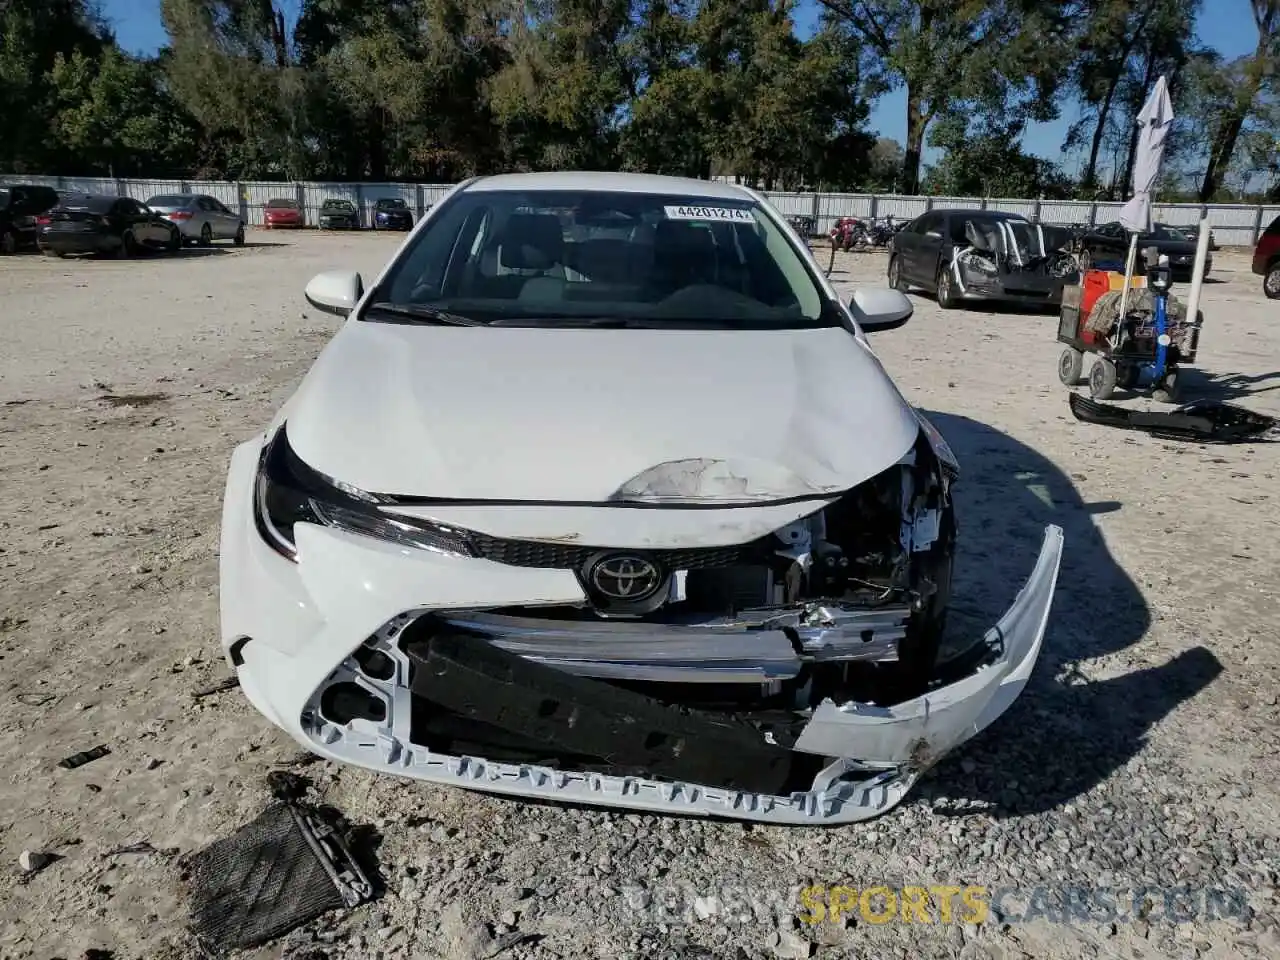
column 626, row 577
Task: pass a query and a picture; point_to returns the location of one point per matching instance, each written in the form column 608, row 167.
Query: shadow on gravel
column 1202, row 384
column 1060, row 738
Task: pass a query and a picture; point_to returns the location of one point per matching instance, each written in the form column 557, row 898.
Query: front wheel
column 128, row 246
column 895, row 274
column 8, row 241
column 1086, row 261
column 175, row 242
column 947, row 299
column 1102, row 379
column 206, row 236
column 239, row 238
column 1070, row 366
column 1271, row 282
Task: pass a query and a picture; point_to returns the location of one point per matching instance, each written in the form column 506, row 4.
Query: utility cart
column 1144, row 351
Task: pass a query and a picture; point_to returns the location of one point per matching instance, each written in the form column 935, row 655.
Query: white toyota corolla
column 600, row 495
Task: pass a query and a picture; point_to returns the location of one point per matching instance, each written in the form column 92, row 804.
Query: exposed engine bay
column 690, row 663
column 1006, row 255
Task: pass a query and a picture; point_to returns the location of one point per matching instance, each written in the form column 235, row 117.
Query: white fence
column 1232, row 224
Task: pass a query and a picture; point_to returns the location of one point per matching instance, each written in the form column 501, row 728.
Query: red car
column 283, row 213
column 1266, row 260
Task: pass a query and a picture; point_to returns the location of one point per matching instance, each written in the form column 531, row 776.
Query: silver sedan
column 199, row 218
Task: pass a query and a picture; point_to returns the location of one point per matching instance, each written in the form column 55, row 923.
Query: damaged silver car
column 600, row 495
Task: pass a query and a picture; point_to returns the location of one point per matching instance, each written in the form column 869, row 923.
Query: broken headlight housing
column 287, row 492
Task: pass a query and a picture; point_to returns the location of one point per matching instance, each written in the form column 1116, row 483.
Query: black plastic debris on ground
column 1202, row 421
column 85, row 756
column 276, row 873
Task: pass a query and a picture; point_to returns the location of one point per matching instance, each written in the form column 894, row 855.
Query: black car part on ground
column 1201, row 421
column 887, row 545
column 281, row 870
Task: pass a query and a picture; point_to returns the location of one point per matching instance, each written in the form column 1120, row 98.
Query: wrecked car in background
column 600, row 495
column 964, row 255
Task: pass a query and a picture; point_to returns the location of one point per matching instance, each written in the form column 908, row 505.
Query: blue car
column 391, row 213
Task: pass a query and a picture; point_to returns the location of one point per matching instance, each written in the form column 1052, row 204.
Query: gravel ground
column 1142, row 755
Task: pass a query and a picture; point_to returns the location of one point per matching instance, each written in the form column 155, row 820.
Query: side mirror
column 335, row 291
column 880, row 308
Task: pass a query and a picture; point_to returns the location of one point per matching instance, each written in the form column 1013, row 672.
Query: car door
column 933, row 240
column 906, row 247
column 124, row 219
column 219, row 218
column 155, row 226
column 230, row 221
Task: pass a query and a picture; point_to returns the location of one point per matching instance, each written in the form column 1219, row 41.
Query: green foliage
column 437, row 90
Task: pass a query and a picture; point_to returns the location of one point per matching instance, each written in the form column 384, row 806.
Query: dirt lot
column 1143, row 753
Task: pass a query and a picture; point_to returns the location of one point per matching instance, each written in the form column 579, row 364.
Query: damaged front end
column 791, row 678
column 1007, row 259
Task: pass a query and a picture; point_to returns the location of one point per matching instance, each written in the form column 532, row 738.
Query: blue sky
column 1226, row 25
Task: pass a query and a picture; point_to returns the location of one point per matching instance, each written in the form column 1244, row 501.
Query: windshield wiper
column 421, row 313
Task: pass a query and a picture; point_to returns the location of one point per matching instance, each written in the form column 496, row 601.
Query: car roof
column 594, row 181
column 966, row 212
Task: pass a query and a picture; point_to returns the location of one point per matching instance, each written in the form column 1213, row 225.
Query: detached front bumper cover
column 873, row 755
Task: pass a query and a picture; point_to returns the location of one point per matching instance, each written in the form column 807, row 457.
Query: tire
column 239, row 237
column 1086, row 261
column 946, row 295
column 128, row 246
column 1070, row 366
column 175, row 242
column 1102, row 379
column 895, row 274
column 1167, row 392
column 1127, row 376
column 206, row 236
column 1271, row 282
column 8, row 241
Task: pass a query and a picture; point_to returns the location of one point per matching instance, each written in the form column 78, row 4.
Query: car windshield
column 582, row 258
column 338, row 205
column 1162, row 231
column 385, row 204
column 282, row 204
column 173, row 200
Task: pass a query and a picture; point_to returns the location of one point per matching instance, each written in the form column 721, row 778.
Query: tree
column 231, row 65
column 113, row 115
column 998, row 53
column 1253, row 71
column 33, row 35
column 991, row 164
column 561, row 96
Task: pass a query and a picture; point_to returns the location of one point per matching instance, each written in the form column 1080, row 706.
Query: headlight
column 288, row 492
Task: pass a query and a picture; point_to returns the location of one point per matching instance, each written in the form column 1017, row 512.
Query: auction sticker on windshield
column 709, row 213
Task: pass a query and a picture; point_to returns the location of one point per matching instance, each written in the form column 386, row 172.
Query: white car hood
column 578, row 415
